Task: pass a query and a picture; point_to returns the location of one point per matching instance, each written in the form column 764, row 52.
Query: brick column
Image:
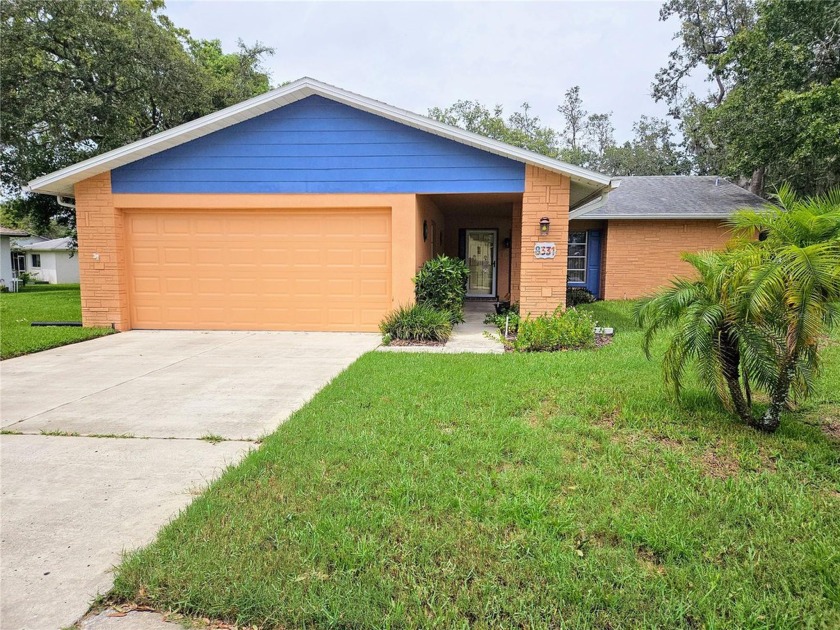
column 543, row 281
column 101, row 254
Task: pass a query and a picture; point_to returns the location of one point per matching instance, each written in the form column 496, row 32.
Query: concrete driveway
column 73, row 501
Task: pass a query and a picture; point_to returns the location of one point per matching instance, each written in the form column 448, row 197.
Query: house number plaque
column 545, row 250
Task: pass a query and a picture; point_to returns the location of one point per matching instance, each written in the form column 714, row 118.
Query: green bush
column 579, row 295
column 442, row 284
column 561, row 330
column 505, row 317
column 419, row 322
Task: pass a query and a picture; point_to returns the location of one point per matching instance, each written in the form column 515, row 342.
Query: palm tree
column 756, row 313
column 703, row 316
column 787, row 285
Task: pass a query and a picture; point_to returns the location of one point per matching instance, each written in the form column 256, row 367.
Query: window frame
column 33, row 258
column 585, row 256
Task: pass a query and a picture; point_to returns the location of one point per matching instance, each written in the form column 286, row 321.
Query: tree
column 589, row 138
column 788, row 287
column 575, row 116
column 773, row 115
column 653, row 151
column 756, row 313
column 80, row 77
column 519, row 129
column 702, row 314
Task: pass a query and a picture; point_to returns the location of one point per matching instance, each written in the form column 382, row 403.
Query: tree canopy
column 80, row 77
column 774, row 113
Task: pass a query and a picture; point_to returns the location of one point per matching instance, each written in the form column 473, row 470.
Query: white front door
column 481, row 260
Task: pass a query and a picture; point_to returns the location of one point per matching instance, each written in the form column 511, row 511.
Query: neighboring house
column 634, row 235
column 311, row 208
column 6, row 268
column 53, row 261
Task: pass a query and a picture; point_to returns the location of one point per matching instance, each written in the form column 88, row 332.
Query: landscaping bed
column 517, row 490
column 41, row 302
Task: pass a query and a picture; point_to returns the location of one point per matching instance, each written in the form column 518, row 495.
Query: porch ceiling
column 491, row 204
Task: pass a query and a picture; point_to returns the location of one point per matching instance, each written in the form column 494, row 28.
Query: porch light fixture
column 544, row 225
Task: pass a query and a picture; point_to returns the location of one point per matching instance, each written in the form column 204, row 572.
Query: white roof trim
column 588, row 207
column 61, row 182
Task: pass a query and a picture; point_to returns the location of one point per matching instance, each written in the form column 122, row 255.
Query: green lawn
column 537, row 490
column 41, row 302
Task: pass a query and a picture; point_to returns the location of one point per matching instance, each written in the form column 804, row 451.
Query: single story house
column 53, row 261
column 311, row 208
column 6, row 268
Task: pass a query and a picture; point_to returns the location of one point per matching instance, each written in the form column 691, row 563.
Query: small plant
column 26, row 278
column 506, row 318
column 579, row 295
column 562, row 330
column 419, row 322
column 212, row 438
column 442, row 284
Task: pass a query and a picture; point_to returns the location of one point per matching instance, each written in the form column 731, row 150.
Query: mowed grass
column 41, row 302
column 541, row 490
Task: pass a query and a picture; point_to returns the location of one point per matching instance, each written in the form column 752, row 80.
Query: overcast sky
column 418, row 55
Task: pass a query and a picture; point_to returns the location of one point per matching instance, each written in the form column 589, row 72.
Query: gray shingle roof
column 4, row 231
column 670, row 197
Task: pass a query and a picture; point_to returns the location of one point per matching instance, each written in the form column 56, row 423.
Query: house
column 6, row 269
column 53, row 261
column 311, row 208
column 629, row 240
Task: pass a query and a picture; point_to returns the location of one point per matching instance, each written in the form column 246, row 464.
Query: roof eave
column 670, row 215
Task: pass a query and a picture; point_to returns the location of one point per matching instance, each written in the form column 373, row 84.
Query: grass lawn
column 561, row 490
column 41, row 302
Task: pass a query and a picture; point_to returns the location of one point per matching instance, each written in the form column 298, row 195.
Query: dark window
column 577, row 257
column 36, row 260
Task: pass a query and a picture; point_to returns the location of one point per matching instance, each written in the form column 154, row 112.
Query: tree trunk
column 757, row 181
column 730, row 357
column 769, row 422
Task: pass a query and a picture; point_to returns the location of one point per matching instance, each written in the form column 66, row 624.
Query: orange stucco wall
column 426, row 248
column 101, row 233
column 543, row 281
column 641, row 256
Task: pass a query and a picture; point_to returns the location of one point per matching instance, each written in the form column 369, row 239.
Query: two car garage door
column 324, row 270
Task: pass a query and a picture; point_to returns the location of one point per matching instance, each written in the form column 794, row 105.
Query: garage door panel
column 261, row 270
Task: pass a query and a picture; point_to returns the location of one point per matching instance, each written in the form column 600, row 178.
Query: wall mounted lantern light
column 544, row 225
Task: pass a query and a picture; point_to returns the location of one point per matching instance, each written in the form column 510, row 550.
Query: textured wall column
column 516, row 252
column 543, row 281
column 101, row 254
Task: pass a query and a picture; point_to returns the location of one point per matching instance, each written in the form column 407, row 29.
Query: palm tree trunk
column 771, row 419
column 730, row 356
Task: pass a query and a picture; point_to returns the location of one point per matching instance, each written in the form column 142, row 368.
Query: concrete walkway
column 71, row 505
column 473, row 335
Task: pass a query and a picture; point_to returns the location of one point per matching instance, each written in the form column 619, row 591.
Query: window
column 577, row 257
column 36, row 260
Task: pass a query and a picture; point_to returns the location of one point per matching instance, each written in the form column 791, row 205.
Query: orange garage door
column 259, row 270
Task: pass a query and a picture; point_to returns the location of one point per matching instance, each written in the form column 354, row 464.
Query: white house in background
column 6, row 270
column 51, row 261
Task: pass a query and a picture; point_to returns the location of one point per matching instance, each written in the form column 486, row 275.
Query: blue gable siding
column 319, row 146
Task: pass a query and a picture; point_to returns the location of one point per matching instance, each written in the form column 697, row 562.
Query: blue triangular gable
column 316, row 145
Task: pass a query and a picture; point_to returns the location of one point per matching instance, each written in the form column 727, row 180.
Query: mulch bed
column 408, row 342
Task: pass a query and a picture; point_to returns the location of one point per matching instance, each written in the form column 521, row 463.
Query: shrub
column 561, row 330
column 419, row 322
column 442, row 284
column 579, row 295
column 506, row 316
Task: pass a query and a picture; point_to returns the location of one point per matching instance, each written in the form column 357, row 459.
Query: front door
column 481, row 260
